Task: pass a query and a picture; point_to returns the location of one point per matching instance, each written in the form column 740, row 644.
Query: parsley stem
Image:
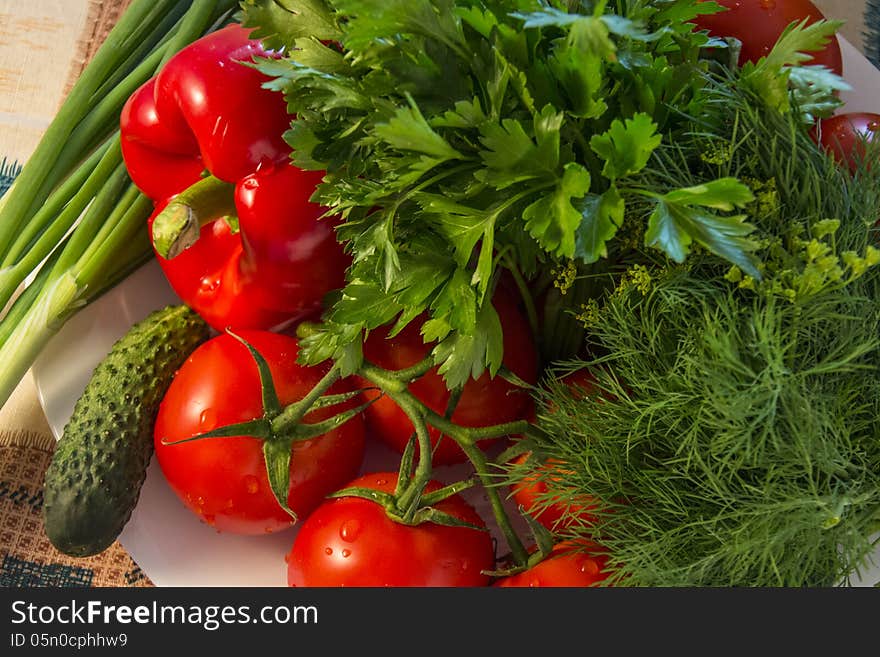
column 525, row 294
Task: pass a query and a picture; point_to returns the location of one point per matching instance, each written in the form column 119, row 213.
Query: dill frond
column 733, row 439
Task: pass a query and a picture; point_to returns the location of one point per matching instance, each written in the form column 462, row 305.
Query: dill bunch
column 732, row 438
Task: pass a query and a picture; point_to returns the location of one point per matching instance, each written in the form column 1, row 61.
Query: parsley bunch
column 462, row 138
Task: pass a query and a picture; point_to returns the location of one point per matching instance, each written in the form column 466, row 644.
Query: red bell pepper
column 204, row 140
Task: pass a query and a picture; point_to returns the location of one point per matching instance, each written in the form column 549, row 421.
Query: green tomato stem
column 466, row 437
column 481, row 466
column 413, row 372
column 294, row 413
column 410, row 496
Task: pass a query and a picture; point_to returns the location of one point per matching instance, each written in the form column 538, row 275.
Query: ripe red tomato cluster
column 347, row 541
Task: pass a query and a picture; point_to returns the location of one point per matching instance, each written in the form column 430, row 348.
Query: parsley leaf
column 463, row 356
column 602, row 216
column 626, row 146
column 769, row 76
column 461, row 136
column 409, row 131
column 281, row 23
column 682, row 216
column 552, row 220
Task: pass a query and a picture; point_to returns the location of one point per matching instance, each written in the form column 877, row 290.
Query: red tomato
column 845, row 135
column 759, row 23
column 565, row 566
column 532, row 495
column 223, row 480
column 350, row 541
column 484, row 401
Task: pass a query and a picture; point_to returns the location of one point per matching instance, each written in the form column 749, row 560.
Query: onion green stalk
column 73, row 225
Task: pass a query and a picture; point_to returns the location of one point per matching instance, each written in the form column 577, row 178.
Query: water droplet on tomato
column 210, row 518
column 768, row 5
column 268, row 530
column 534, row 582
column 350, row 530
column 328, row 551
column 207, row 419
column 200, row 501
column 873, row 126
column 208, row 285
column 251, row 484
column 381, row 482
column 589, row 567
column 346, row 554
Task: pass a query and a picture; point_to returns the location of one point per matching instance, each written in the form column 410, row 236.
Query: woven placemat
column 27, row 558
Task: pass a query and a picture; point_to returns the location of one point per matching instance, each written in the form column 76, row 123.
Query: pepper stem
column 177, row 226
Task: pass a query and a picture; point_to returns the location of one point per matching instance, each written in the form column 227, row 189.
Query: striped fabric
column 8, row 172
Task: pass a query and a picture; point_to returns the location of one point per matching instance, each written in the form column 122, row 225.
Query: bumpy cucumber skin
column 95, row 476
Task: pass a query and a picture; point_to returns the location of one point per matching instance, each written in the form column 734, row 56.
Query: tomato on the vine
column 483, row 402
column 845, row 135
column 351, row 541
column 567, row 565
column 758, row 25
column 223, row 480
column 532, row 492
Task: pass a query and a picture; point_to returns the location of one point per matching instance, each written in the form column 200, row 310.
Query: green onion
column 74, row 225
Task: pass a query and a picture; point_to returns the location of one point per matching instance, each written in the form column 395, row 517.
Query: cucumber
column 95, row 476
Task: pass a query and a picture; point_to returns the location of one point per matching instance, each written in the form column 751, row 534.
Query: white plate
column 165, row 539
